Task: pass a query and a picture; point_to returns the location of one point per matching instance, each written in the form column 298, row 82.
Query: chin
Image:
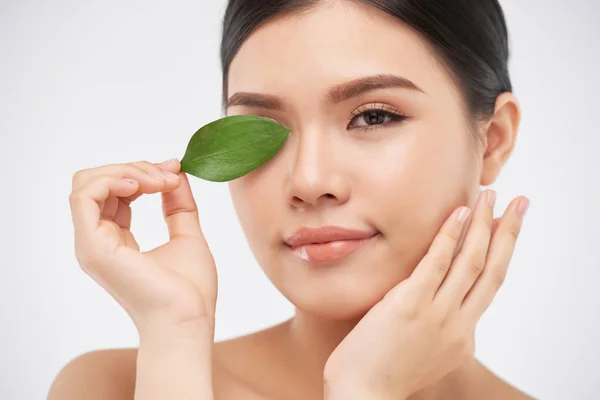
column 343, row 290
column 335, row 306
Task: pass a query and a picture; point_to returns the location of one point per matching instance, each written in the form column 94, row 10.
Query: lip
column 328, row 243
column 325, row 234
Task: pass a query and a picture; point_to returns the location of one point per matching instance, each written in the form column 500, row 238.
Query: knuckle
column 476, row 266
column 146, row 166
column 170, row 211
column 514, row 230
column 79, row 178
column 172, row 206
column 142, row 163
column 107, row 179
column 123, row 170
column 440, row 267
column 409, row 311
column 440, row 263
column 75, row 197
column 454, row 235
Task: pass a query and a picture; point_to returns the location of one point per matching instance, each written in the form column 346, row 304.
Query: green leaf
column 231, row 147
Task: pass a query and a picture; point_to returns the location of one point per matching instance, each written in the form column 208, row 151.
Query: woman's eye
column 371, row 118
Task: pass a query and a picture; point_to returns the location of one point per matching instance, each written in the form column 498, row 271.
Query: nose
column 317, row 178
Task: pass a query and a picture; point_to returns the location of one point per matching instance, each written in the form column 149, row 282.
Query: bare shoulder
column 111, row 374
column 501, row 389
column 100, row 374
column 479, row 382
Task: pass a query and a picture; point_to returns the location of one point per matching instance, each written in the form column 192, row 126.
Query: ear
column 500, row 135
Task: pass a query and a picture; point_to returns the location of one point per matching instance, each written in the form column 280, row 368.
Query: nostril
column 302, row 202
column 297, row 201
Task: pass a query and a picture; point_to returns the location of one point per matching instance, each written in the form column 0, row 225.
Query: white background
column 85, row 83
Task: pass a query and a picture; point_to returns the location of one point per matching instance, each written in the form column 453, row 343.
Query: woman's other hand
column 424, row 328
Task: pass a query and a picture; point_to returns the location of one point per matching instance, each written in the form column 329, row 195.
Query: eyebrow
column 336, row 94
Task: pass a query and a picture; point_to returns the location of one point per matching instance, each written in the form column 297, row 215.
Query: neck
column 310, row 340
column 315, row 338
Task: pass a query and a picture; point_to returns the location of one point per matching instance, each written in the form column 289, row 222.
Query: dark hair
column 469, row 37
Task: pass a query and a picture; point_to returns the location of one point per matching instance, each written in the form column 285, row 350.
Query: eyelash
column 387, row 111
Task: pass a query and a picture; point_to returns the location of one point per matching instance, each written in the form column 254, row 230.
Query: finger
column 495, row 226
column 431, row 271
column 142, row 171
column 180, row 211
column 122, row 215
column 168, row 169
column 110, row 207
column 470, row 261
column 173, row 165
column 85, row 202
column 501, row 250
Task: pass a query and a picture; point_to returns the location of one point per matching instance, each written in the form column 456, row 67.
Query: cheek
column 424, row 182
column 257, row 202
column 247, row 207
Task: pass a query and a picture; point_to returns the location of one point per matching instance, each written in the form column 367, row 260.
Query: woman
column 369, row 219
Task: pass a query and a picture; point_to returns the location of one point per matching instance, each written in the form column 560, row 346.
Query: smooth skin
column 395, row 320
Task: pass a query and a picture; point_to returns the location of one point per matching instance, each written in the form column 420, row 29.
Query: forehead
column 342, row 40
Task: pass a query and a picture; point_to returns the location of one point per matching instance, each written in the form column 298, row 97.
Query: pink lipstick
column 328, row 243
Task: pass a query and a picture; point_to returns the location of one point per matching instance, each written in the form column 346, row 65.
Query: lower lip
column 328, row 252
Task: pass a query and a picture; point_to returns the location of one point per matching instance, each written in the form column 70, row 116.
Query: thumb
column 179, row 207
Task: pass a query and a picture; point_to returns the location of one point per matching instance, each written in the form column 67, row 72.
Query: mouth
column 327, row 244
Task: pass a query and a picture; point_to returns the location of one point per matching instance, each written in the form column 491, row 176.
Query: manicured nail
column 463, row 214
column 170, row 175
column 156, row 175
column 491, row 198
column 522, row 207
column 165, row 163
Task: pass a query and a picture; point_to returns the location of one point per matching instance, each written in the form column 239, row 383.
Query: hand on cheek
column 424, row 327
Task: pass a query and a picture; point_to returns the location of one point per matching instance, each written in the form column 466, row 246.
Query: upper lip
column 326, row 234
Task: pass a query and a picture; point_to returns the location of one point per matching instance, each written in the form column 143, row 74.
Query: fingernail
column 464, row 213
column 156, row 175
column 170, row 175
column 165, row 163
column 491, row 198
column 522, row 207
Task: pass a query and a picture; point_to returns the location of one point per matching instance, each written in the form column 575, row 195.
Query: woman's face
column 391, row 156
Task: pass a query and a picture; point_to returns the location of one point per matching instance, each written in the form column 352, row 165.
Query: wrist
column 175, row 363
column 197, row 331
column 177, row 346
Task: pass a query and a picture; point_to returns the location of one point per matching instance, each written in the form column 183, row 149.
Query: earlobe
column 500, row 137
